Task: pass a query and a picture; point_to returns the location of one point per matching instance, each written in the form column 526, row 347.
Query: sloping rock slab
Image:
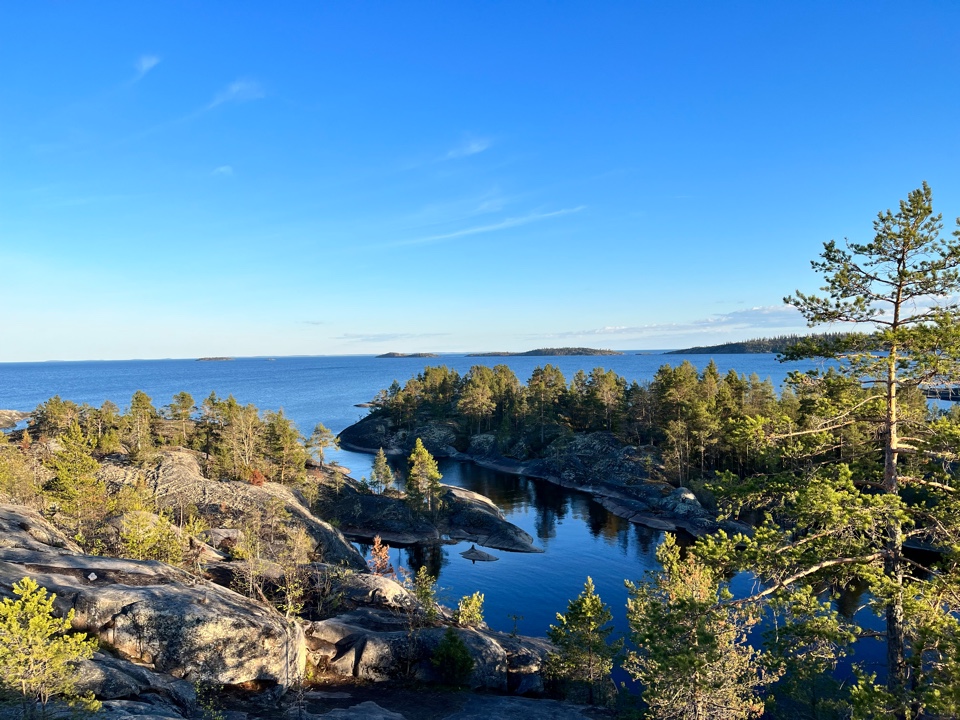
column 164, row 618
column 177, row 481
column 22, row 527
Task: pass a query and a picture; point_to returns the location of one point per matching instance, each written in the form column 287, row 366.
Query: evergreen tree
column 902, row 287
column 321, row 439
column 423, row 480
column 585, row 653
column 38, row 655
column 545, row 389
column 82, row 498
column 284, row 445
column 139, row 425
column 382, row 476
column 692, row 653
column 180, row 410
column 476, row 400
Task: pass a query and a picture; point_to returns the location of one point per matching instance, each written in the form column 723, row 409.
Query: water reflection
column 432, row 556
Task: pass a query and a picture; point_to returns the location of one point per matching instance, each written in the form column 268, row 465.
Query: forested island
column 407, row 355
column 777, row 344
column 549, row 352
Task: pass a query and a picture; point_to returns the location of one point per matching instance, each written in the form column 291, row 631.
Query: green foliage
column 452, row 659
column 17, row 477
column 382, row 477
column 423, row 480
column 321, row 439
column 692, row 654
column 284, row 447
column 469, row 610
column 180, row 411
column 145, row 536
column 38, row 655
column 138, row 426
column 82, row 499
column 585, row 653
column 902, row 286
column 425, row 590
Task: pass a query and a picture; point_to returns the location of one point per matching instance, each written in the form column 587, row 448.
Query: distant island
column 548, row 352
column 213, row 359
column 408, row 355
column 777, row 344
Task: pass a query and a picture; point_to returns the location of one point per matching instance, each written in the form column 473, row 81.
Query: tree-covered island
column 549, row 352
column 778, row 344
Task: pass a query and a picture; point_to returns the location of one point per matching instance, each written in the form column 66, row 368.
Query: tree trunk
column 893, row 563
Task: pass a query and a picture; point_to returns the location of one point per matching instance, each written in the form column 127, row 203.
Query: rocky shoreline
column 594, row 463
column 165, row 630
column 10, row 418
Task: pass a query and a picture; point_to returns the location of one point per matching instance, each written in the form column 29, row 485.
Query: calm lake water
column 578, row 536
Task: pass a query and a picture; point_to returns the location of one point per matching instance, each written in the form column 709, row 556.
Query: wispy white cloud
column 225, row 170
column 493, row 227
column 471, row 146
column 386, row 337
column 146, row 63
column 736, row 325
column 237, row 91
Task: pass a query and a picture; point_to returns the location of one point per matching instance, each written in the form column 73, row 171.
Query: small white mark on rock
column 92, row 576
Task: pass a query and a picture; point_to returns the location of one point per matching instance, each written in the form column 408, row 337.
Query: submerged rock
column 477, row 555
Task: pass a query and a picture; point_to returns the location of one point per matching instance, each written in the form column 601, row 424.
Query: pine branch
column 785, row 582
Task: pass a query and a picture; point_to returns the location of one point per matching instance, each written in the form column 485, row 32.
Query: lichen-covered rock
column 176, row 480
column 156, row 615
column 23, row 527
column 361, row 588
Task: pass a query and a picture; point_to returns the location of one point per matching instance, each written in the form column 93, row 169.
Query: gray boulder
column 159, row 616
column 379, row 645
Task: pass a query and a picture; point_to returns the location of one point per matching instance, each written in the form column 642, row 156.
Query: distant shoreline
column 408, row 355
column 550, row 352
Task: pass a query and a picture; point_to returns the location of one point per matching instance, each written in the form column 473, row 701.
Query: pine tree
column 382, row 474
column 585, row 653
column 321, row 439
column 38, row 655
column 692, row 654
column 902, row 287
column 423, row 480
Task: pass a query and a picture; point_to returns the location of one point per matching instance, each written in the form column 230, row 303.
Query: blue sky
column 229, row 178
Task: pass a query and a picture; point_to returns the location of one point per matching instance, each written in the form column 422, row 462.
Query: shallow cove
column 578, row 536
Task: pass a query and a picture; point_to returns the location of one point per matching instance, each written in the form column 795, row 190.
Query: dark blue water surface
column 578, row 536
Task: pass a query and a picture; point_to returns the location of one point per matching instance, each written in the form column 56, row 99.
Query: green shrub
column 470, row 610
column 452, row 659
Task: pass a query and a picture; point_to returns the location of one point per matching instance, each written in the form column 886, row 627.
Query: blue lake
column 578, row 536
